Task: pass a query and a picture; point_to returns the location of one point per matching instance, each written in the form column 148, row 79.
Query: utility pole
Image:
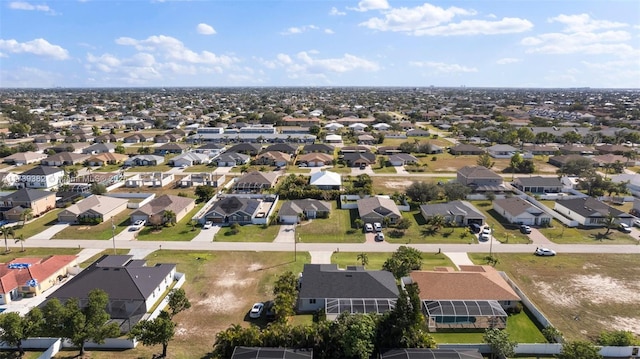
column 113, row 235
column 491, row 244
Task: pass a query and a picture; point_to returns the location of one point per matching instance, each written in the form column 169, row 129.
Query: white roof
column 333, row 138
column 358, row 124
column 381, row 125
column 325, row 178
column 334, row 125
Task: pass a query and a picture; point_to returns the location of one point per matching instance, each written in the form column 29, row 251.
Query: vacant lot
column 582, row 295
column 98, row 231
column 338, row 228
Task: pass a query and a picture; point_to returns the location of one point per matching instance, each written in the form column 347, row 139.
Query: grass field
column 38, row 225
column 377, row 259
column 34, row 252
column 181, row 231
column 581, row 294
column 503, row 231
column 338, row 228
column 560, row 233
column 248, row 233
column 100, row 231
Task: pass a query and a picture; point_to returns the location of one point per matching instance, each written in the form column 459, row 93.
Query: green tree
column 15, row 329
column 403, row 261
column 6, row 232
column 363, row 258
column 26, row 216
column 501, row 345
column 358, row 223
column 53, row 313
column 610, row 223
column 485, row 160
column 436, row 222
column 353, row 335
column 285, row 294
column 579, row 350
column 617, row 338
column 120, row 149
column 455, row 191
column 423, row 192
column 178, row 302
column 515, row 162
column 90, row 322
column 98, row 188
column 153, row 332
column 144, row 150
column 20, row 239
column 169, row 217
column 205, row 193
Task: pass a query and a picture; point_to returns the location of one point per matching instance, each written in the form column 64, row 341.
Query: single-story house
column 465, row 149
column 24, row 158
column 473, row 297
column 541, row 150
column 169, row 148
column 234, row 209
column 376, row 209
column 572, row 149
column 355, row 159
column 326, row 180
column 190, row 159
column 149, row 179
column 133, row 287
column 135, row 138
column 64, row 159
column 154, row 211
column 366, row 140
column 518, row 211
column 429, row 353
column 93, row 208
column 271, row 353
column 333, row 138
column 479, row 178
column 588, row 211
column 333, row 126
column 318, row 147
column 315, row 159
column 30, row 276
column 106, row 158
column 287, row 148
column 538, row 184
column 255, row 181
column 418, row 133
column 460, row 213
column 291, row 211
column 381, row 126
column 144, row 160
column 250, row 149
column 353, row 290
column 560, row 161
column 230, row 159
column 501, row 151
column 273, row 158
column 402, row 159
column 211, row 149
column 388, row 150
column 99, row 148
column 358, row 127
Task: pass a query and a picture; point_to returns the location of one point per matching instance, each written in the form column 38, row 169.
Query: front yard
column 248, row 233
column 181, row 231
column 100, row 231
column 377, row 259
column 338, row 228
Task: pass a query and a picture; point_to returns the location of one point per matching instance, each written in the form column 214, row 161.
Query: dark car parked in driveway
column 476, row 228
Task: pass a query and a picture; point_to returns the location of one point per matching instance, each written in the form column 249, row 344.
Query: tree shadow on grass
column 600, row 236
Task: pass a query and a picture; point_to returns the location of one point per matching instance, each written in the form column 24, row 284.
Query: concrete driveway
column 357, row 171
column 206, row 235
column 51, row 231
column 538, row 238
column 286, row 234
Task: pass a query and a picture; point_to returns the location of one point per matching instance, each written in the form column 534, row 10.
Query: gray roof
column 245, row 147
column 590, row 207
column 420, row 353
column 295, row 207
column 282, row 147
column 318, row 147
column 455, row 208
column 271, row 353
column 27, row 195
column 478, row 172
column 539, row 181
column 402, row 157
column 117, row 277
column 375, row 204
column 516, row 206
column 257, row 177
column 327, row 281
column 42, row 171
column 232, row 157
column 232, row 204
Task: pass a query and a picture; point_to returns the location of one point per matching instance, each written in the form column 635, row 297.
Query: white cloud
column 366, row 5
column 479, row 27
column 307, row 64
column 441, row 67
column 417, row 18
column 335, row 12
column 584, row 23
column 23, row 5
column 173, row 49
column 329, row 31
column 508, row 60
column 39, row 47
column 299, row 30
column 593, row 43
column 205, row 29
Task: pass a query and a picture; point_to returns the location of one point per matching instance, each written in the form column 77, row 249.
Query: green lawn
column 388, row 169
column 503, row 231
column 338, row 228
column 560, row 233
column 248, row 233
column 157, row 168
column 36, row 226
column 181, row 231
column 520, row 327
column 420, row 232
column 377, row 259
column 34, row 252
column 107, row 168
column 341, row 169
column 296, row 169
column 199, row 169
column 100, row 231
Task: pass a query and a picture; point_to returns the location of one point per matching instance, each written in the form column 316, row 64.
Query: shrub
column 517, row 309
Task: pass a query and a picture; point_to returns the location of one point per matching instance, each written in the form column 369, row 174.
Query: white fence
column 181, row 278
column 566, row 221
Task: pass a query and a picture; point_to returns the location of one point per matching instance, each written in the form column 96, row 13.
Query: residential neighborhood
column 469, row 216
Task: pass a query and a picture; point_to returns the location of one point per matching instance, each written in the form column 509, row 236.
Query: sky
column 217, row 43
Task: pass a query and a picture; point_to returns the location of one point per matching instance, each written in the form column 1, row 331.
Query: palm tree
column 20, row 239
column 6, row 232
column 436, row 222
column 363, row 258
column 26, row 215
column 170, row 216
column 609, row 222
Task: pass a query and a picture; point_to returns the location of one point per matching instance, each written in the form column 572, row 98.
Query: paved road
column 329, row 247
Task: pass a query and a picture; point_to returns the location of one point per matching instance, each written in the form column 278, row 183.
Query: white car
column 256, row 310
column 636, row 222
column 545, row 252
column 207, row 225
column 379, row 237
column 137, row 225
column 625, row 228
column 368, row 227
column 377, row 226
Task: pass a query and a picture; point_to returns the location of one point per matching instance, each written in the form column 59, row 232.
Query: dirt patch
column 595, row 288
column 221, row 303
column 397, row 184
column 628, row 324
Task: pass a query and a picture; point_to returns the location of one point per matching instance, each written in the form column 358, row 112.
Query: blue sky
column 163, row 43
